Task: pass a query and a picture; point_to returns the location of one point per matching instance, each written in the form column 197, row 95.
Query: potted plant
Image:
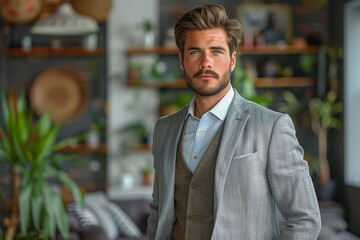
column 148, row 28
column 323, row 114
column 147, row 174
column 30, row 147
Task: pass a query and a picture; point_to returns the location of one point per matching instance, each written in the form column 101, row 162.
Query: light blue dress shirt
column 200, row 132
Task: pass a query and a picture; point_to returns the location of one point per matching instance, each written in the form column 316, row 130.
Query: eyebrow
column 212, row 48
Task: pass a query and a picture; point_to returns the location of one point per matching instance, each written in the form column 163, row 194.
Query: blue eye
column 194, row 52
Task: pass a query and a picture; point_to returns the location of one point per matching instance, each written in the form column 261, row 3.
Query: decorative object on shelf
column 149, row 33
column 26, row 44
column 20, row 11
column 90, row 42
column 265, row 24
column 61, row 91
column 127, row 180
column 30, row 147
column 99, row 10
column 93, row 137
column 65, row 22
column 147, row 174
column 169, row 40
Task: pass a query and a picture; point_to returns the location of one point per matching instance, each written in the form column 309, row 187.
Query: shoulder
column 253, row 109
column 172, row 119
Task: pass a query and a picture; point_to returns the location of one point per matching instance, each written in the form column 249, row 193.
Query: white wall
column 352, row 93
column 126, row 105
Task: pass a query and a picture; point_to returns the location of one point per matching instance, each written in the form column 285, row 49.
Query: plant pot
column 147, row 178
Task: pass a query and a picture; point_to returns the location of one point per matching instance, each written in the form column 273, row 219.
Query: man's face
column 207, row 62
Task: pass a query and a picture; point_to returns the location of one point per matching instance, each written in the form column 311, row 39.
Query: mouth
column 205, row 76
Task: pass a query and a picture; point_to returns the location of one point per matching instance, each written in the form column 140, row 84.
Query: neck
column 204, row 103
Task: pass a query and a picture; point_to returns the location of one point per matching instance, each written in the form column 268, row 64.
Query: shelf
column 284, row 82
column 83, row 148
column 260, row 50
column 141, row 148
column 155, row 50
column 176, row 84
column 278, row 50
column 276, row 82
column 51, row 52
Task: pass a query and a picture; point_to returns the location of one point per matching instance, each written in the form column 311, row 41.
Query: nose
column 205, row 61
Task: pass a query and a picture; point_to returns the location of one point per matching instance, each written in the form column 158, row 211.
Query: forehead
column 206, row 38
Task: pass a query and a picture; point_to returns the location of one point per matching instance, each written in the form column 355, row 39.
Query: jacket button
column 189, row 217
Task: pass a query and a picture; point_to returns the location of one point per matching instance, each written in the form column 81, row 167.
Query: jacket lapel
column 235, row 122
column 168, row 168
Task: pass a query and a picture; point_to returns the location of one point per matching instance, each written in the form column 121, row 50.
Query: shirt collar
column 220, row 109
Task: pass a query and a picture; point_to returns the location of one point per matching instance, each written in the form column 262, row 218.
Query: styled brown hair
column 208, row 16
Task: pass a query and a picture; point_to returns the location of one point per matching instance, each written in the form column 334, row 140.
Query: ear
column 181, row 61
column 233, row 60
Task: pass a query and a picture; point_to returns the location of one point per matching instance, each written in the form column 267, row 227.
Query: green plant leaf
column 44, row 124
column 70, row 184
column 49, row 218
column 29, row 145
column 60, row 217
column 37, row 201
column 23, row 128
column 48, row 226
column 24, row 206
column 36, row 207
column 69, row 141
column 5, row 146
column 5, row 109
column 45, row 144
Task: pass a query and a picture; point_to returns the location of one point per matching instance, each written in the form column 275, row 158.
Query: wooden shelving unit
column 281, row 50
column 51, row 52
column 261, row 82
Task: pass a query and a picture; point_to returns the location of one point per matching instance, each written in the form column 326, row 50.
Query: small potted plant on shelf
column 30, row 147
column 148, row 28
column 147, row 175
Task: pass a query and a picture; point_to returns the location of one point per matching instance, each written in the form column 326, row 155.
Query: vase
column 149, row 39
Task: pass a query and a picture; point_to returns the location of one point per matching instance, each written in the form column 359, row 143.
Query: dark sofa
column 334, row 227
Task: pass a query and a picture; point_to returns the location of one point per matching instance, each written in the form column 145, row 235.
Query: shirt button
column 195, row 157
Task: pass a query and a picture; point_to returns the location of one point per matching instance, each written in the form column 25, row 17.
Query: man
column 224, row 164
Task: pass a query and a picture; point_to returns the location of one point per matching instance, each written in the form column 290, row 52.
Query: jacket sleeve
column 291, row 184
column 154, row 205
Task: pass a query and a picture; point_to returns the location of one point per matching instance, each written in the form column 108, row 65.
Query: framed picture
column 270, row 23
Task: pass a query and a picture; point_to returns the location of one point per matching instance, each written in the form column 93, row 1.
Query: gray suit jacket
column 259, row 166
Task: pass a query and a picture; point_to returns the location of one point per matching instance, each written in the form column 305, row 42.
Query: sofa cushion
column 85, row 216
column 137, row 209
column 95, row 201
column 125, row 225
